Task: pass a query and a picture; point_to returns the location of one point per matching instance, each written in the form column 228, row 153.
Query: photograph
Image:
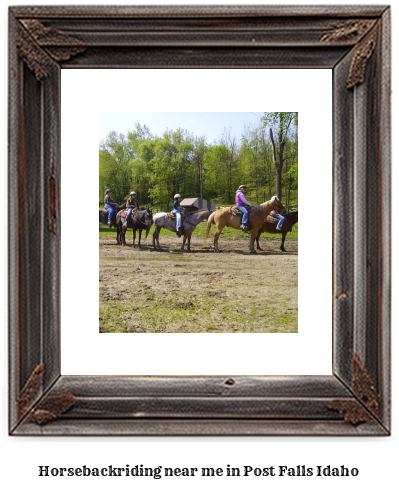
column 175, row 190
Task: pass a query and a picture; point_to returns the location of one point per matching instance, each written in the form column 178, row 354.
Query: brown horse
column 270, row 225
column 103, row 214
column 224, row 218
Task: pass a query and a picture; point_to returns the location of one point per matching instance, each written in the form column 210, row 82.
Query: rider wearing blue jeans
column 131, row 205
column 177, row 210
column 241, row 202
column 110, row 206
column 281, row 218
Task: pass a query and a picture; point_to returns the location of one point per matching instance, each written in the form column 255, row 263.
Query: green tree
column 114, row 167
column 157, row 167
column 282, row 128
column 255, row 163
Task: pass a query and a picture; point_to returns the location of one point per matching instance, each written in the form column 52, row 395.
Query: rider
column 281, row 218
column 132, row 205
column 110, row 206
column 177, row 210
column 241, row 203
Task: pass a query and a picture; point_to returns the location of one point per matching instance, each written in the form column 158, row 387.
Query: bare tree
column 280, row 127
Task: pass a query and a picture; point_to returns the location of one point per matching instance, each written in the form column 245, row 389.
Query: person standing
column 241, row 203
column 109, row 206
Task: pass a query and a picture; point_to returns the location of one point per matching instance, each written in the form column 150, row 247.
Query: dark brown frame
column 353, row 41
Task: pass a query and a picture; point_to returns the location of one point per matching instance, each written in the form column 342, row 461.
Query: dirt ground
column 199, row 291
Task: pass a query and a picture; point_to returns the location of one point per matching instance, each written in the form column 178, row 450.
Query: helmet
column 133, row 192
column 176, row 196
column 242, row 186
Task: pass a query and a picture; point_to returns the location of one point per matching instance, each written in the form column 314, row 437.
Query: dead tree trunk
column 278, row 152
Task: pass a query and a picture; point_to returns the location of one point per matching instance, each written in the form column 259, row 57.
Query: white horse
column 190, row 221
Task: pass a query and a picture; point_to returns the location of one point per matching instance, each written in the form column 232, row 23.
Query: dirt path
column 199, row 291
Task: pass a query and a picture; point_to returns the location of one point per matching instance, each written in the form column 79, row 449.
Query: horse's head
column 148, row 217
column 277, row 205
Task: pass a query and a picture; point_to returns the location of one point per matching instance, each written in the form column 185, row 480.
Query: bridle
column 144, row 221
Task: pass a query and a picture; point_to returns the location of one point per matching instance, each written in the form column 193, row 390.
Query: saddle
column 172, row 215
column 233, row 210
column 123, row 214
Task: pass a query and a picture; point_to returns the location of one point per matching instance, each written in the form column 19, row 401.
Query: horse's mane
column 264, row 207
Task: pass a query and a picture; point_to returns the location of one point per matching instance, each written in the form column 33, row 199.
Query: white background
column 84, row 94
column 376, row 458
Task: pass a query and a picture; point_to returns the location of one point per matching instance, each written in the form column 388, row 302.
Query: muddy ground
column 198, row 291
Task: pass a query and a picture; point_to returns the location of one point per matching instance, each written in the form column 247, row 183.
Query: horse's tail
column 208, row 227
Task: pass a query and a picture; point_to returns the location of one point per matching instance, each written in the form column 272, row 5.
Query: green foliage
column 114, row 167
column 157, row 167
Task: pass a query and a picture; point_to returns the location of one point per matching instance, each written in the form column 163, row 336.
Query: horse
column 189, row 223
column 270, row 225
column 225, row 218
column 103, row 215
column 142, row 220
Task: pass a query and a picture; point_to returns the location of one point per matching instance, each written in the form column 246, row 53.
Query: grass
column 185, row 315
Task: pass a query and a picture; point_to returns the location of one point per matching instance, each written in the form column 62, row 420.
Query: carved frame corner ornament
column 364, row 33
column 361, row 56
column 30, row 391
column 366, row 406
column 351, row 41
column 349, row 31
column 38, row 46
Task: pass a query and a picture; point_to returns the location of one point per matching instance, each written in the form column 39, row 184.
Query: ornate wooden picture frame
column 352, row 41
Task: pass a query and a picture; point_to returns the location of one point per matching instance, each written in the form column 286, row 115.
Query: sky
column 208, row 124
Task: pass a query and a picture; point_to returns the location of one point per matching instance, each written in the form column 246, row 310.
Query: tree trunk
column 278, row 161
